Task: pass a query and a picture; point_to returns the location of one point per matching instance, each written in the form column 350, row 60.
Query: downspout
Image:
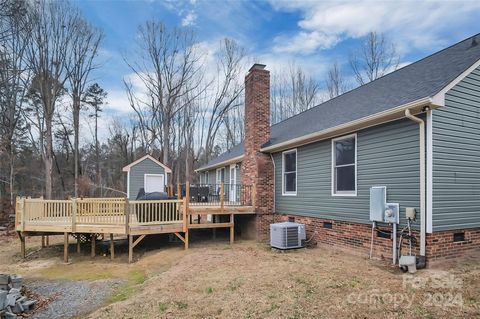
column 274, row 190
column 423, row 214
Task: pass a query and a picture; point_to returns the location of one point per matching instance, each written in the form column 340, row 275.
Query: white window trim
column 343, row 194
column 285, row 193
column 165, row 183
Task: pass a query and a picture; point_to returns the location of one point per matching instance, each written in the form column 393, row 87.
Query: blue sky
column 314, row 34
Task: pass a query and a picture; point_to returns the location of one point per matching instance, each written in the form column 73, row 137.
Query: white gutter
column 423, row 215
column 364, row 122
column 221, row 164
column 274, row 190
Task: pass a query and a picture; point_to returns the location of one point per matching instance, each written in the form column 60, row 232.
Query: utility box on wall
column 380, row 210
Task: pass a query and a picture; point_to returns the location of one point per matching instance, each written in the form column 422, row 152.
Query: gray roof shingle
column 418, row 80
column 235, row 151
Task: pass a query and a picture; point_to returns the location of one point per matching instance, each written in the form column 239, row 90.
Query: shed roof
column 141, row 159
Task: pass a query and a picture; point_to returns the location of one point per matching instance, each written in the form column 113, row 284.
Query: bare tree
column 293, row 91
column 234, row 125
column 227, row 88
column 169, row 70
column 375, row 58
column 335, row 82
column 14, row 79
column 84, row 48
column 95, row 98
column 53, row 23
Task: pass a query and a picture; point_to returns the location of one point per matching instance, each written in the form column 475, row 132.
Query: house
column 415, row 131
column 147, row 173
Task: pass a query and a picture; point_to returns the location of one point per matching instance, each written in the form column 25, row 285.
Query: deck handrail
column 76, row 211
column 222, row 194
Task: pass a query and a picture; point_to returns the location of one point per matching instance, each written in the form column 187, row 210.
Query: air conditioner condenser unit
column 287, row 235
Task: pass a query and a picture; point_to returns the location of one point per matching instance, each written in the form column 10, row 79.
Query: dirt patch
column 251, row 281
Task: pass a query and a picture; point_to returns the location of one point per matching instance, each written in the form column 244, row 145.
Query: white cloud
column 414, row 24
column 117, row 101
column 304, row 42
column 189, row 19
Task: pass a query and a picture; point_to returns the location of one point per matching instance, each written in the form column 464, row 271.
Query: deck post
column 179, row 191
column 22, row 213
column 65, row 247
column 222, row 196
column 78, row 244
column 92, row 240
column 187, row 196
column 185, row 221
column 74, row 215
column 47, row 240
column 22, row 244
column 127, row 215
column 232, row 228
column 130, row 248
column 112, row 247
column 43, row 241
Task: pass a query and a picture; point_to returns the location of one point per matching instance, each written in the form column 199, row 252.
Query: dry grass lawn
column 248, row 280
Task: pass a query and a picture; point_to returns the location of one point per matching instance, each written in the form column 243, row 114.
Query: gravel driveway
column 72, row 298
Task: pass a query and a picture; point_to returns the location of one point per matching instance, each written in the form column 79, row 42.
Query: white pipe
column 394, row 231
column 274, row 190
column 371, row 241
column 423, row 214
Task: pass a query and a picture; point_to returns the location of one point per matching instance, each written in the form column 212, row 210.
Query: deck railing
column 148, row 212
column 97, row 211
column 218, row 194
column 33, row 210
column 86, row 213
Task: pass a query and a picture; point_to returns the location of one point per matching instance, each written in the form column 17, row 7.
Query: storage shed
column 148, row 173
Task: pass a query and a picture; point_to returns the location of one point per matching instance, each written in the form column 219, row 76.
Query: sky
column 314, row 34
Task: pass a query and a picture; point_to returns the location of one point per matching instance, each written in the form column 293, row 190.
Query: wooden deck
column 119, row 216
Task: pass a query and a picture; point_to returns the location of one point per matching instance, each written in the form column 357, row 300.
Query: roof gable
column 129, row 166
column 422, row 79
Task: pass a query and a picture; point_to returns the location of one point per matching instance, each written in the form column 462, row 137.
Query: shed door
column 154, row 183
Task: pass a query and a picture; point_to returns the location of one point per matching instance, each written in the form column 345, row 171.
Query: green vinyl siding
column 387, row 155
column 137, row 175
column 456, row 157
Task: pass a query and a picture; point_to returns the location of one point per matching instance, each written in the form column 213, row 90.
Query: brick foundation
column 441, row 245
column 356, row 237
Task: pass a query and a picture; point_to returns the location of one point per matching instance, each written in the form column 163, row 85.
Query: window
column 344, row 166
column 289, row 172
column 220, row 175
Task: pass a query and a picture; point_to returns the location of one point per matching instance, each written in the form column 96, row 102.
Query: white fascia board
column 389, row 115
column 439, row 98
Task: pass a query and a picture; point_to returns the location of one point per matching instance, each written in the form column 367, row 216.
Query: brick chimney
column 257, row 167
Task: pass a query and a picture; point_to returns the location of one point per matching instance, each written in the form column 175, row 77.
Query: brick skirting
column 357, row 237
column 442, row 245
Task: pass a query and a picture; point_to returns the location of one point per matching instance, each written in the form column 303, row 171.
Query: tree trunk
column 97, row 154
column 76, row 121
column 48, row 159
column 12, row 175
column 166, row 141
